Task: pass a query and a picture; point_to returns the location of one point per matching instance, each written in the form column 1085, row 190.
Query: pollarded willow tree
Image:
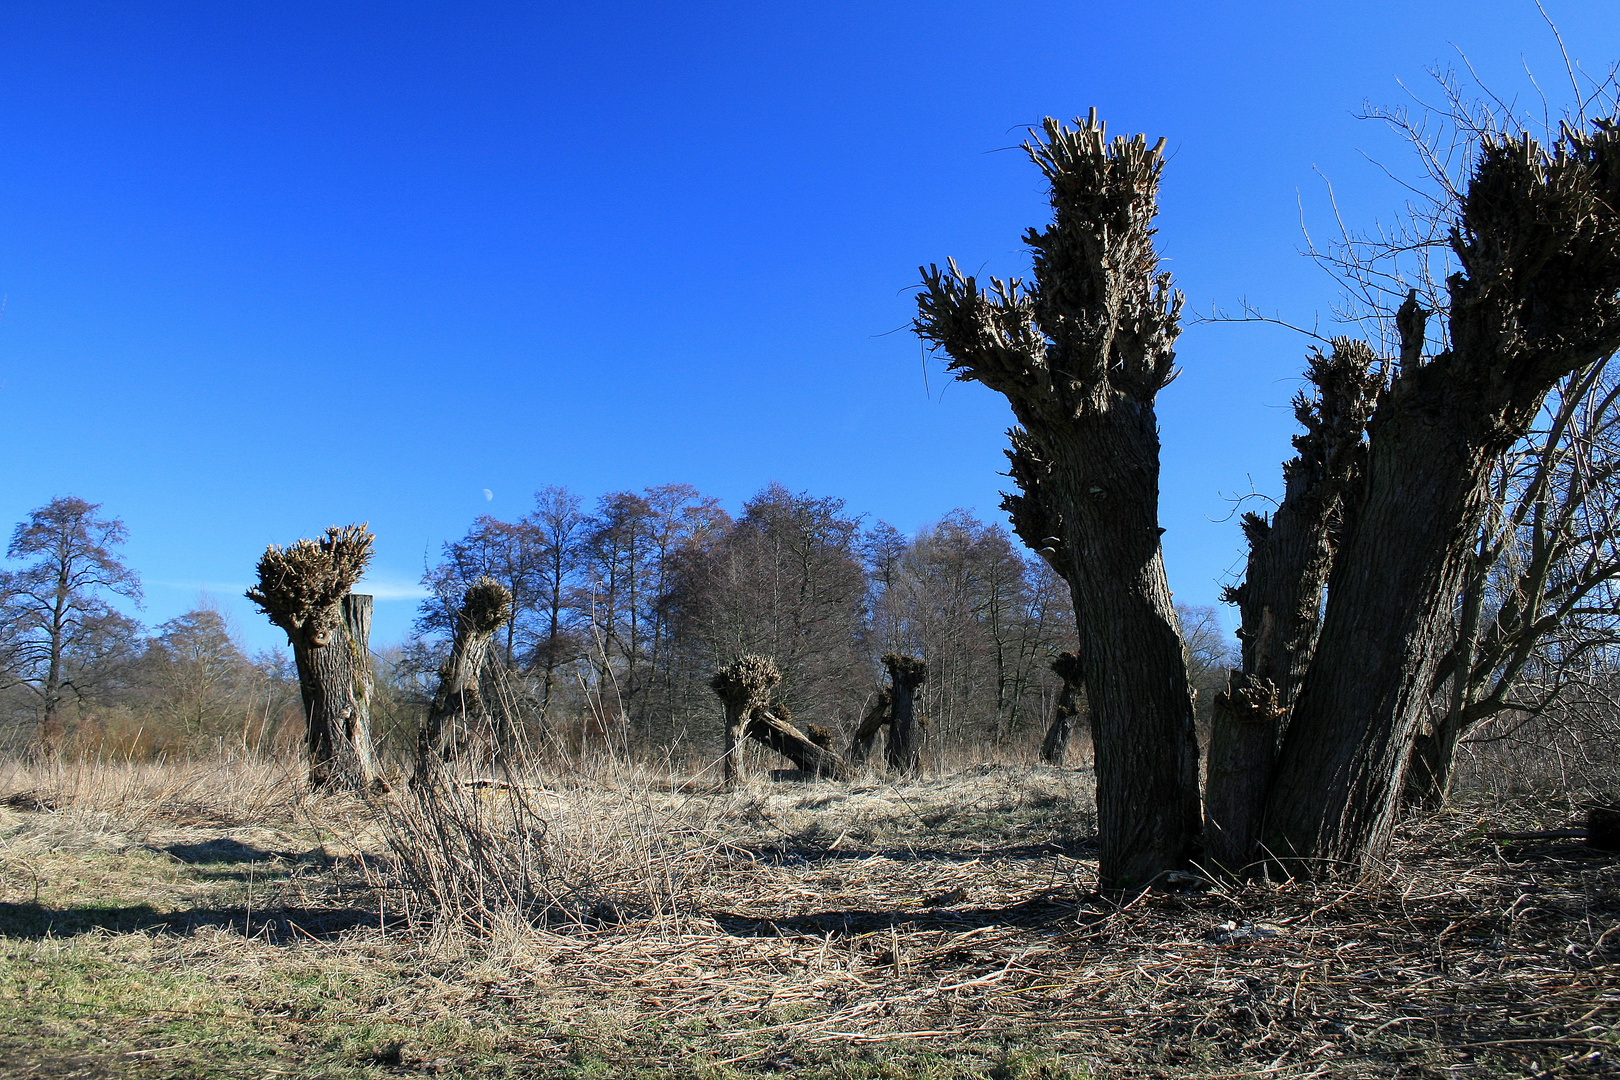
column 304, row 589
column 1080, row 353
column 1383, row 520
column 1536, row 234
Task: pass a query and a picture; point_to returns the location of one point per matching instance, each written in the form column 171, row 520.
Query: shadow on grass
column 798, row 851
column 278, row 925
column 1043, row 909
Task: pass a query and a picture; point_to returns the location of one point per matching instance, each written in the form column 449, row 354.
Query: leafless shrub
column 537, row 848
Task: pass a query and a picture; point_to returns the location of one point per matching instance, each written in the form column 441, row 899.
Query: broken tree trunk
column 1280, row 599
column 1056, row 745
column 779, row 735
column 872, row 724
column 742, row 685
column 906, row 673
column 458, row 722
column 301, row 589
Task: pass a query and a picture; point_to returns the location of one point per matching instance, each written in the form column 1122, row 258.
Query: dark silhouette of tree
column 60, row 636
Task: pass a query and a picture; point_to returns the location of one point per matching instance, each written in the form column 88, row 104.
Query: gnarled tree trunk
column 742, row 686
column 1081, row 355
column 906, row 673
column 1538, row 297
column 1055, row 747
column 458, row 723
column 776, row 734
column 1280, row 599
column 302, row 590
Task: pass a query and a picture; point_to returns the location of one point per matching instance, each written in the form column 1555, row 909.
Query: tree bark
column 906, row 673
column 1280, row 598
column 787, row 740
column 1144, row 744
column 326, row 682
column 357, row 731
column 1242, row 752
column 1056, row 745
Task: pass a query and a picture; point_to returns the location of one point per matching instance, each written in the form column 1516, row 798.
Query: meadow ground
column 212, row 919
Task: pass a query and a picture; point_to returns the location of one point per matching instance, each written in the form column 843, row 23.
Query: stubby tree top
column 1025, row 339
column 1539, row 243
column 486, row 606
column 302, row 587
column 746, row 681
column 906, row 671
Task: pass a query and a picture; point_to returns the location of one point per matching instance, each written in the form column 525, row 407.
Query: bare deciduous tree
column 58, row 634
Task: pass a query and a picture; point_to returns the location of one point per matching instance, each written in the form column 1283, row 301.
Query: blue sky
column 272, row 267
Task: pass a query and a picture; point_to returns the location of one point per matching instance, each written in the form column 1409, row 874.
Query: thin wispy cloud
column 392, row 589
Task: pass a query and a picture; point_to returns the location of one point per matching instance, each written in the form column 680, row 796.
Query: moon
column 488, row 495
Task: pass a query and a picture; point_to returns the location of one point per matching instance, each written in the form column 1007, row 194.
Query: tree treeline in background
column 621, row 613
column 623, row 610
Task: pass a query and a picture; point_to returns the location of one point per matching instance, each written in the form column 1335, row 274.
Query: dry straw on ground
column 940, row 928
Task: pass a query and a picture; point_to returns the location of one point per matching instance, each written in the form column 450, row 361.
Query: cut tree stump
column 906, row 674
column 1056, row 745
column 1603, row 827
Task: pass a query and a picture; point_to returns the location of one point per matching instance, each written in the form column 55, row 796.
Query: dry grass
column 941, row 928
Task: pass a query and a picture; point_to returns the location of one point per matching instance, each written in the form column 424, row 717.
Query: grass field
column 215, row 920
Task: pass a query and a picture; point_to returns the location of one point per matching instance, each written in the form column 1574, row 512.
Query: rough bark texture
column 1055, row 747
column 872, row 725
column 301, row 589
column 742, row 686
column 1547, row 554
column 1539, row 243
column 906, row 674
column 1280, row 599
column 1244, row 726
column 1080, row 355
column 777, row 734
column 458, row 724
column 356, row 626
